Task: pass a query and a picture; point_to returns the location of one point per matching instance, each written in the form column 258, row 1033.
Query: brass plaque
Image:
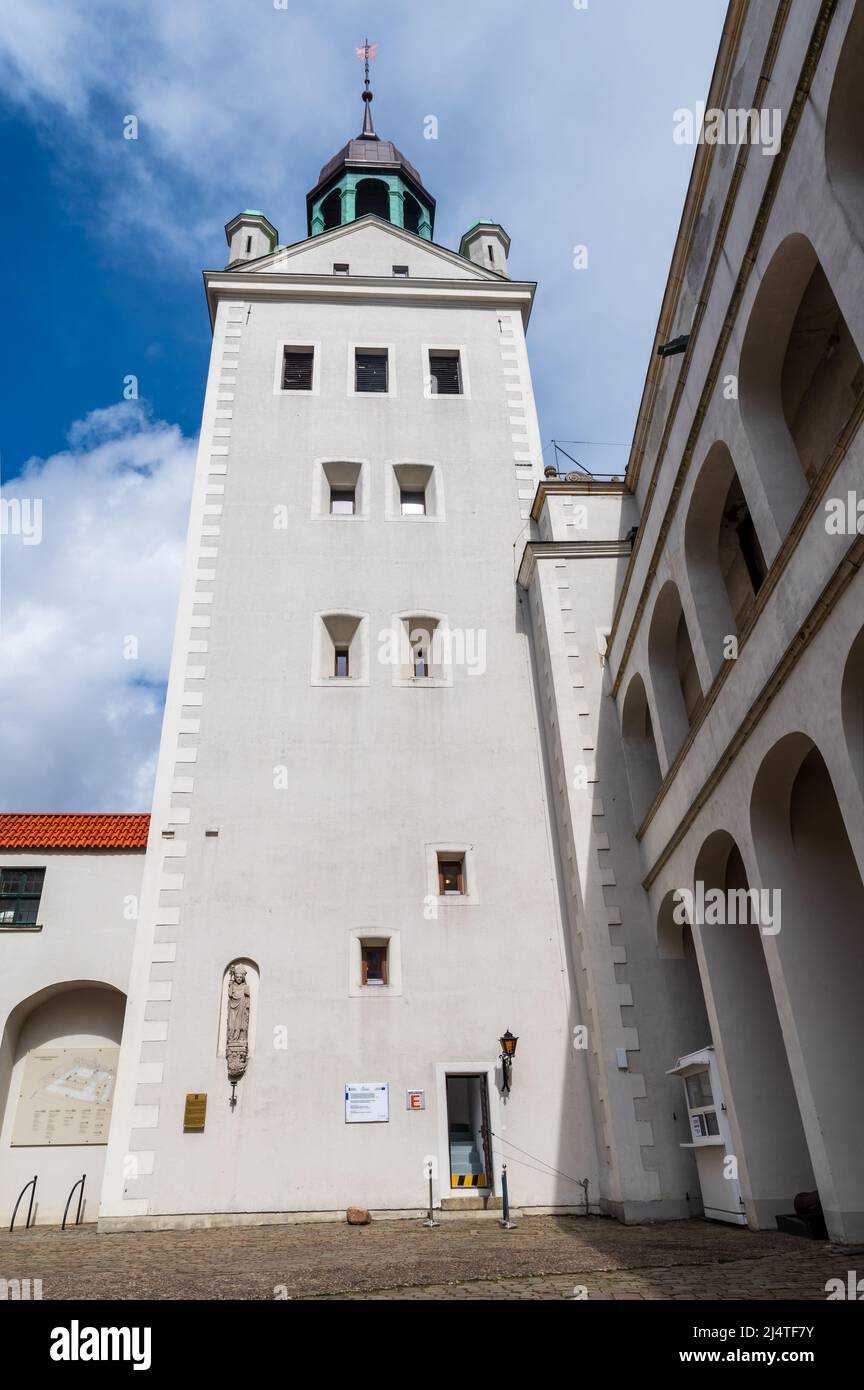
column 194, row 1112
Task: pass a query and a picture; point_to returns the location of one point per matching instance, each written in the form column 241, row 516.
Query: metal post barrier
column 430, row 1219
column 505, row 1223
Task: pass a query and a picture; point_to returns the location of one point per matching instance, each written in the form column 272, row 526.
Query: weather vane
column 369, row 50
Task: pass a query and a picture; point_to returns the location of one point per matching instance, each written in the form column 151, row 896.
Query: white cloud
column 79, row 723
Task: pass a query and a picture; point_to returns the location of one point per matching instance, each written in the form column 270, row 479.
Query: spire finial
column 369, row 50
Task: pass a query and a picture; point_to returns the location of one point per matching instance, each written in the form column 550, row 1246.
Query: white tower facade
column 352, row 799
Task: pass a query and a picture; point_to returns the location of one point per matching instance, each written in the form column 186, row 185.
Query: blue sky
column 555, row 120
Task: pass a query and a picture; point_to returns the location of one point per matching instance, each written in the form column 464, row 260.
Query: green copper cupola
column 370, row 175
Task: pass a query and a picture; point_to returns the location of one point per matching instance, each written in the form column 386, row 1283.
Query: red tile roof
column 73, row 831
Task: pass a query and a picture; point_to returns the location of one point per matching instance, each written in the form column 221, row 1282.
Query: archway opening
column 804, row 852
column 844, row 152
column 58, row 1063
column 372, row 197
column 773, row 1161
column 411, row 214
column 725, row 562
column 801, row 376
column 640, row 749
column 675, row 680
column 852, row 706
column 331, row 209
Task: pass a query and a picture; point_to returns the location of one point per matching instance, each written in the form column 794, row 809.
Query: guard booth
column 710, row 1135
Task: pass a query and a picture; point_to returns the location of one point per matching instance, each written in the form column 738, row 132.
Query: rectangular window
column 401, row 272
column 412, row 501
column 341, row 268
column 451, row 877
column 446, row 374
column 340, row 661
column 297, row 369
column 373, row 957
column 370, row 371
column 342, row 501
column 20, row 892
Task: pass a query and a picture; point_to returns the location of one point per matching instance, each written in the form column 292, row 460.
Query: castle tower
column 350, row 891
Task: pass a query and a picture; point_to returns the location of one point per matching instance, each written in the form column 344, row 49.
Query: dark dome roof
column 372, row 153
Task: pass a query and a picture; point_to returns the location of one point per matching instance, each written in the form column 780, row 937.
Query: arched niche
column 253, row 979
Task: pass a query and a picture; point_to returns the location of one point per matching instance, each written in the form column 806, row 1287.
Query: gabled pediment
column 370, row 247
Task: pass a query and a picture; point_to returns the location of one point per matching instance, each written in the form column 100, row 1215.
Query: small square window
column 342, row 501
column 20, row 894
column 446, row 373
column 297, row 369
column 373, row 961
column 412, row 501
column 340, row 662
column 370, row 371
column 451, row 877
column 401, row 272
column 341, row 268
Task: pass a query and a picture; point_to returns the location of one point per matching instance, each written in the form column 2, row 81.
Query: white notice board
column 366, row 1102
column 66, row 1095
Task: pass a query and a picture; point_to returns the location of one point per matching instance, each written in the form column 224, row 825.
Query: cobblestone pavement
column 545, row 1257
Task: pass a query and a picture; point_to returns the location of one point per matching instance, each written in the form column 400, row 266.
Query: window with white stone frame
column 340, row 649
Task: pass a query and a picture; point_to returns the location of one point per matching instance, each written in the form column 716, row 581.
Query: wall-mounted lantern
column 508, row 1052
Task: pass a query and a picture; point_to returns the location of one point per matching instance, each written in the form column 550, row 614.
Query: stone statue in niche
column 237, row 1031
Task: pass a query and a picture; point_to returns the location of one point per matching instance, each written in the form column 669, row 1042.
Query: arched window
column 331, row 209
column 411, row 211
column 372, row 197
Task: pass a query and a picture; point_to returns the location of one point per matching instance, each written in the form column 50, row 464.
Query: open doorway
column 468, row 1135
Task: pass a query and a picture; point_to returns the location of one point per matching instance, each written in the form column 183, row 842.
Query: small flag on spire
column 369, row 50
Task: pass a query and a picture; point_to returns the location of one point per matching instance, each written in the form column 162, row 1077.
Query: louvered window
column 370, row 371
column 446, row 376
column 297, row 369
